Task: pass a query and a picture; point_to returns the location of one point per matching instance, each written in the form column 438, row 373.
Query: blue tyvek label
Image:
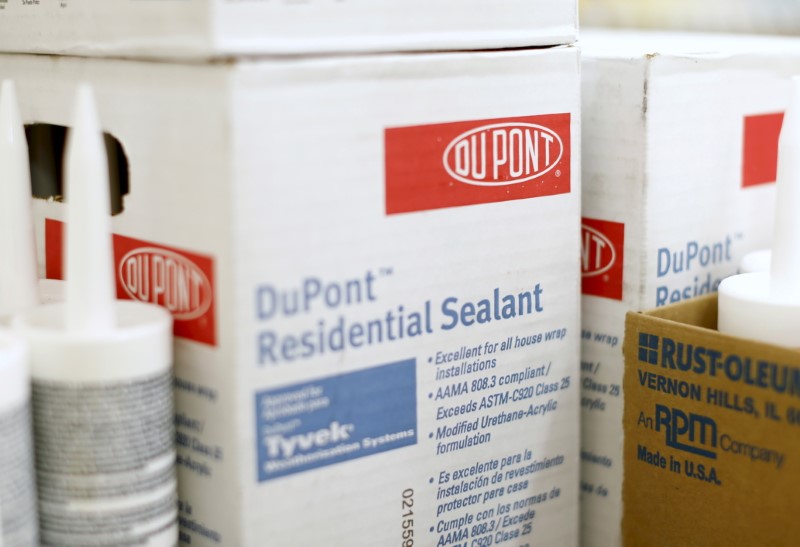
column 336, row 419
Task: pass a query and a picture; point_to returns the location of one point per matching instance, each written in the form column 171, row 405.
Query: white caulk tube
column 102, row 381
column 18, row 290
column 18, row 525
column 765, row 305
column 18, row 521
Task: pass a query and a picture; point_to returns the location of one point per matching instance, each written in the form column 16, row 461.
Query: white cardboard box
column 207, row 28
column 680, row 147
column 292, row 214
column 750, row 16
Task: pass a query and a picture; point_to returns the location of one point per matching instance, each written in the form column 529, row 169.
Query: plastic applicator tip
column 90, row 293
column 785, row 262
column 18, row 279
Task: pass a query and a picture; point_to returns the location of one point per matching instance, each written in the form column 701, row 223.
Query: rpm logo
column 687, row 431
column 503, row 153
column 180, row 281
column 167, row 279
column 482, row 161
column 602, row 244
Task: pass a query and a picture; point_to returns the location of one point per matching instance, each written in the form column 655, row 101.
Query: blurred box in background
column 746, row 16
column 214, row 28
column 680, row 137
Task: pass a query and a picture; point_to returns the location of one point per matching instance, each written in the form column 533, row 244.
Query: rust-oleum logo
column 178, row 280
column 602, row 245
column 472, row 162
column 503, row 153
column 166, row 278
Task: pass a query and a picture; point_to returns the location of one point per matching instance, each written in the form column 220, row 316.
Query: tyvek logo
column 602, row 245
column 330, row 420
column 280, row 446
column 503, row 153
column 472, row 162
column 168, row 279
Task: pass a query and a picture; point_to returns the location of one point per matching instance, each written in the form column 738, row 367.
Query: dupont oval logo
column 168, row 279
column 597, row 252
column 503, row 153
column 474, row 162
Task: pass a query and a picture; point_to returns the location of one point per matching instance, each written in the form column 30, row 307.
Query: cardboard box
column 712, row 454
column 680, row 151
column 743, row 16
column 214, row 28
column 371, row 265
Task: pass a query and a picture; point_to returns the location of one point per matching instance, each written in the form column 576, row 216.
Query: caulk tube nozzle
column 765, row 306
column 90, row 269
column 18, row 279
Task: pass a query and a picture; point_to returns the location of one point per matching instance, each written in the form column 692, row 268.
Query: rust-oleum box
column 221, row 28
column 371, row 264
column 680, row 139
column 712, row 433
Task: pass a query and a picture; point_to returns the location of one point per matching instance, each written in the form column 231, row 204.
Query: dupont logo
column 502, row 154
column 166, row 278
column 599, row 254
column 180, row 281
column 483, row 161
column 760, row 148
column 602, row 245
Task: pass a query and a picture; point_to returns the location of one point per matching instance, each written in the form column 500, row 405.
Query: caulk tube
column 102, row 381
column 18, row 520
column 18, row 290
column 765, row 305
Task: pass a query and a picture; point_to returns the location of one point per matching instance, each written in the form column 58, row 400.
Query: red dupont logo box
column 180, row 281
column 602, row 245
column 484, row 161
column 760, row 148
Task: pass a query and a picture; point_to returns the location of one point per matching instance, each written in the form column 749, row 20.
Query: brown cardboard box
column 712, row 433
